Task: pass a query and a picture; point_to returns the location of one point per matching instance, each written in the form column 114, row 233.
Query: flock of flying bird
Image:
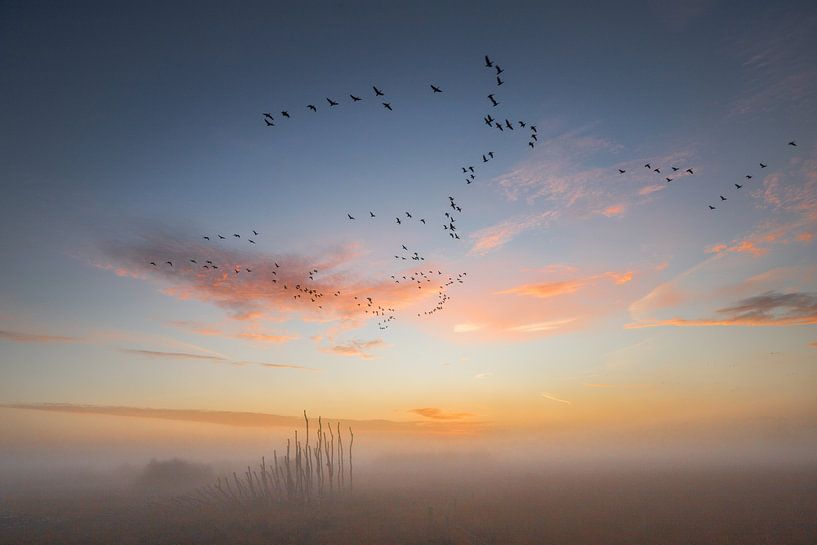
column 303, row 282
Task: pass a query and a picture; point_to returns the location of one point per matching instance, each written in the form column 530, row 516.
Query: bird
column 193, row 261
column 404, row 247
column 675, row 169
column 793, row 143
column 331, row 102
column 647, row 166
column 487, row 121
column 355, row 99
column 493, row 100
column 267, row 114
column 499, row 81
column 206, row 238
column 169, row 263
column 153, row 263
column 722, row 198
column 398, row 221
column 371, row 213
column 251, row 241
column 712, row 207
column 269, row 123
column 488, row 63
column 436, row 89
column 508, row 124
column 350, row 216
column 621, row 171
column 762, row 165
column 534, row 137
column 689, row 170
column 491, row 154
column 530, row 144
column 408, row 215
column 669, row 180
column 748, row 176
column 387, row 106
column 499, row 126
column 254, row 232
column 236, row 236
column 533, row 128
column 522, row 124
column 484, row 159
column 471, row 168
column 221, row 237
column 738, row 186
column 499, row 70
column 312, row 107
column 658, row 170
column 423, row 221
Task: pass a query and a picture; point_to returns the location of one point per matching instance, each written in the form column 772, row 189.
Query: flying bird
column 793, row 143
column 508, row 124
column 350, row 216
column 488, row 63
column 689, row 170
column 206, row 238
column 408, row 215
column 331, row 102
column 762, row 165
column 377, row 92
column 722, row 198
column 738, row 186
column 221, row 237
column 499, row 70
column 436, row 89
column 267, row 114
column 254, row 232
column 712, row 207
column 169, row 263
column 621, row 171
column 675, row 169
column 499, row 81
column 251, row 241
column 533, row 128
column 153, row 263
column 493, row 100
column 236, row 236
column 669, row 180
column 647, row 166
column 748, row 176
column 355, row 99
column 387, row 106
column 398, row 221
column 285, row 114
column 269, row 123
column 371, row 213
column 312, row 107
column 491, row 154
column 484, row 159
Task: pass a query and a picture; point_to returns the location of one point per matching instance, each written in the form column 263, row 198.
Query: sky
column 583, row 300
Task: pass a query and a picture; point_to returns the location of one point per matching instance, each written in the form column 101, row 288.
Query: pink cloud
column 35, row 338
column 357, row 349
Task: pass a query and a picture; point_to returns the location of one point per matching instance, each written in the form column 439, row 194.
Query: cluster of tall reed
column 306, row 473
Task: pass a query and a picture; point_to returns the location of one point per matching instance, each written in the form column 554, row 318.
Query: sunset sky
column 592, row 300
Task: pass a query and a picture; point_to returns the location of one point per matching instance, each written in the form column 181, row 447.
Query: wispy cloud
column 35, row 338
column 435, row 413
column 557, row 399
column 496, row 236
column 537, row 327
column 564, row 287
column 215, row 358
column 467, row 327
column 767, row 309
column 356, row 348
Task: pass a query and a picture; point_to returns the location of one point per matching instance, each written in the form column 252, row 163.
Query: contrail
column 553, row 398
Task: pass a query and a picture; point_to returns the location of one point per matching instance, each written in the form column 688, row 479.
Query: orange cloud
column 553, row 289
column 265, row 337
column 614, row 210
column 542, row 326
column 358, row 349
column 649, row 189
column 20, row 337
column 438, row 414
column 805, row 237
column 493, row 237
column 467, row 328
column 767, row 309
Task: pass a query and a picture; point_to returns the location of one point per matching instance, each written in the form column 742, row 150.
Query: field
column 626, row 506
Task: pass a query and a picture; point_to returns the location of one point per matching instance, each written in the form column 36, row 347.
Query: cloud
column 652, row 188
column 467, row 328
column 554, row 398
column 358, row 349
column 35, row 338
column 614, row 210
column 541, row 326
column 767, row 309
column 215, row 358
column 553, row 289
column 266, row 337
column 496, row 236
column 439, row 414
column 171, row 355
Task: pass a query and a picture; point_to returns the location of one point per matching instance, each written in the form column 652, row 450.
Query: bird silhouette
column 712, row 207
column 423, row 221
column 722, row 198
column 377, row 92
column 534, row 137
column 669, row 180
column 408, row 215
column 285, row 114
column 484, row 159
column 398, row 221
column 221, row 237
column 436, row 89
column 499, row 126
column 647, row 166
column 269, row 123
column 206, row 238
column 491, row 154
column 762, row 165
column 387, row 105
column 522, row 124
column 738, row 186
column 499, row 70
column 533, row 128
column 508, row 124
column 236, row 236
column 371, row 214
column 488, row 63
column 793, row 143
column 355, row 99
column 350, row 216
column 331, row 102
column 312, row 107
column 493, row 100
column 689, row 170
column 169, row 263
column 748, row 176
column 267, row 114
column 621, row 171
column 499, row 81
column 193, row 261
column 251, row 241
column 404, row 247
column 254, row 232
column 675, row 169
column 153, row 263
column 531, row 145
